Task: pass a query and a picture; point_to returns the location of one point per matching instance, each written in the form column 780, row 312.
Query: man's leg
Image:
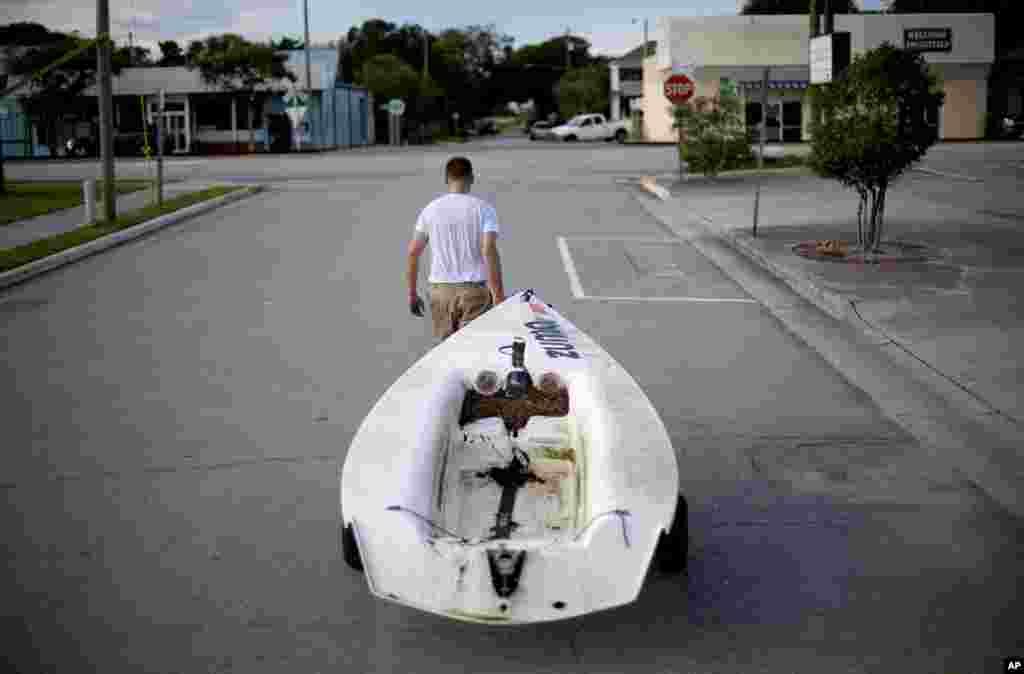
column 470, row 303
column 442, row 311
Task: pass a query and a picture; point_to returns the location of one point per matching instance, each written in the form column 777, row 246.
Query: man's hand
column 497, row 297
column 416, row 305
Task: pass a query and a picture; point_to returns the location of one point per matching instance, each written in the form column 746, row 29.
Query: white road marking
column 577, row 288
column 944, row 174
column 570, row 269
column 698, row 300
column 633, row 239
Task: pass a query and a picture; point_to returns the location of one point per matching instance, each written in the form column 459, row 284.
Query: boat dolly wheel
column 349, row 548
column 673, row 545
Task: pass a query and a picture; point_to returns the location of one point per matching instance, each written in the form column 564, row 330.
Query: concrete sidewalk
column 28, row 230
column 951, row 322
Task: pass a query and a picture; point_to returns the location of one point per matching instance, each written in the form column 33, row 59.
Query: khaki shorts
column 453, row 305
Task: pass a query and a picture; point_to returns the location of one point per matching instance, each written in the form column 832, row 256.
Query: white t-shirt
column 455, row 224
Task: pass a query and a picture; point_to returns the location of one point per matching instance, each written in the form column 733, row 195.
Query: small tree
column 713, row 136
column 872, row 128
column 233, row 64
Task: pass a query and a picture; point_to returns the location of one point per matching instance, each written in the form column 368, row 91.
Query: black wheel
column 570, row 139
column 673, row 546
column 349, row 549
column 620, row 136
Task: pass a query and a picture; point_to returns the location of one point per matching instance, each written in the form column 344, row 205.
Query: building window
column 129, row 114
column 784, row 122
column 213, row 112
column 630, row 75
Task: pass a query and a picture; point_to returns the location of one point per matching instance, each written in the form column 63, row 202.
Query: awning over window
column 774, row 84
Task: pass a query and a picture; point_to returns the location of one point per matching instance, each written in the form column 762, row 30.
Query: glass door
column 773, row 122
column 177, row 133
column 792, row 121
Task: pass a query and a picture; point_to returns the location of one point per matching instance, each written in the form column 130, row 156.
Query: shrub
column 713, row 136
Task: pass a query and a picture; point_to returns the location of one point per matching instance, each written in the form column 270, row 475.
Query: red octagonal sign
column 679, row 89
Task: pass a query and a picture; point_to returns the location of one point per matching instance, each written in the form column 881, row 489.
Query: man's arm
column 493, row 260
column 416, row 247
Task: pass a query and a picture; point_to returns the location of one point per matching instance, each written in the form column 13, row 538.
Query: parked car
column 1013, row 126
column 542, row 129
column 486, row 126
column 591, row 127
column 80, row 147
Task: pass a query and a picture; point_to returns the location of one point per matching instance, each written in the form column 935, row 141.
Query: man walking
column 465, row 270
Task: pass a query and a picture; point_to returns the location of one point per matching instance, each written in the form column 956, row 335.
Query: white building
column 739, row 47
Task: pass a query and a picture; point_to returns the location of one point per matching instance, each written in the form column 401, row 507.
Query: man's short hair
column 458, row 168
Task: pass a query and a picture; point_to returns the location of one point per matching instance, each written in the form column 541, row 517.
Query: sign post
column 679, row 89
column 160, row 152
column 396, row 108
column 296, row 107
column 760, row 154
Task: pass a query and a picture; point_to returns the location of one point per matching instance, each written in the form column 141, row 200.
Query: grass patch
column 29, row 199
column 29, row 252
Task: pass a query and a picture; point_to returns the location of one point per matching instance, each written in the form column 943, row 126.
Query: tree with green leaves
column 31, row 50
column 713, row 137
column 287, row 43
column 171, row 54
column 754, row 7
column 233, row 64
column 583, row 90
column 873, row 128
column 387, row 77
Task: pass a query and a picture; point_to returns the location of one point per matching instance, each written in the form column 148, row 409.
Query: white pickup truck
column 590, row 127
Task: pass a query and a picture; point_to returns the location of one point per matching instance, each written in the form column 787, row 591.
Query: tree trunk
column 881, row 214
column 860, row 218
column 875, row 224
column 252, row 131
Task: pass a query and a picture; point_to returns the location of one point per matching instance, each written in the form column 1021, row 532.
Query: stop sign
column 679, row 89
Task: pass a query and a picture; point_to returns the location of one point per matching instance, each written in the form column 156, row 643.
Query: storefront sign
column 928, row 39
column 829, row 56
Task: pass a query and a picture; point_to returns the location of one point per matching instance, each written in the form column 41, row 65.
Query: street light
column 643, row 54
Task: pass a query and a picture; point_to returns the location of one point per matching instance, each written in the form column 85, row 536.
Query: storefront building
column 738, row 48
column 201, row 119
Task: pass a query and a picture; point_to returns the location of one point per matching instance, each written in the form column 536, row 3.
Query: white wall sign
column 821, row 59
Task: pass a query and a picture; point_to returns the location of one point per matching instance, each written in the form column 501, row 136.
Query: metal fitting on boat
column 487, row 382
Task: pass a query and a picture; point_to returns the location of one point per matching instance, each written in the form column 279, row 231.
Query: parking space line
column 577, row 287
column 570, row 269
column 946, row 174
column 695, row 300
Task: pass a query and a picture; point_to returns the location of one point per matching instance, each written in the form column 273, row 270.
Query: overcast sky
column 605, row 23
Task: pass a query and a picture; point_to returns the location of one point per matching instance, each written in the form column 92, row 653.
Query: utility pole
column 568, row 50
column 645, row 46
column 309, row 76
column 426, row 76
column 106, row 109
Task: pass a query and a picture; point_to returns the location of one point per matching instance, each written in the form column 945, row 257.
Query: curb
column 950, row 435
column 41, row 266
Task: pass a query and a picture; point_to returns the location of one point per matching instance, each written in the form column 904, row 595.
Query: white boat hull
column 424, row 519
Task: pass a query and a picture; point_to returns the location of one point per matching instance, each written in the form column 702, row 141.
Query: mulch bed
column 838, row 250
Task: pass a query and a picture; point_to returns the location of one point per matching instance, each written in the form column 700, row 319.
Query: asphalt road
column 176, row 412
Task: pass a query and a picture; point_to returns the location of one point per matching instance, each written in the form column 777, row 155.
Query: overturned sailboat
column 516, row 473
